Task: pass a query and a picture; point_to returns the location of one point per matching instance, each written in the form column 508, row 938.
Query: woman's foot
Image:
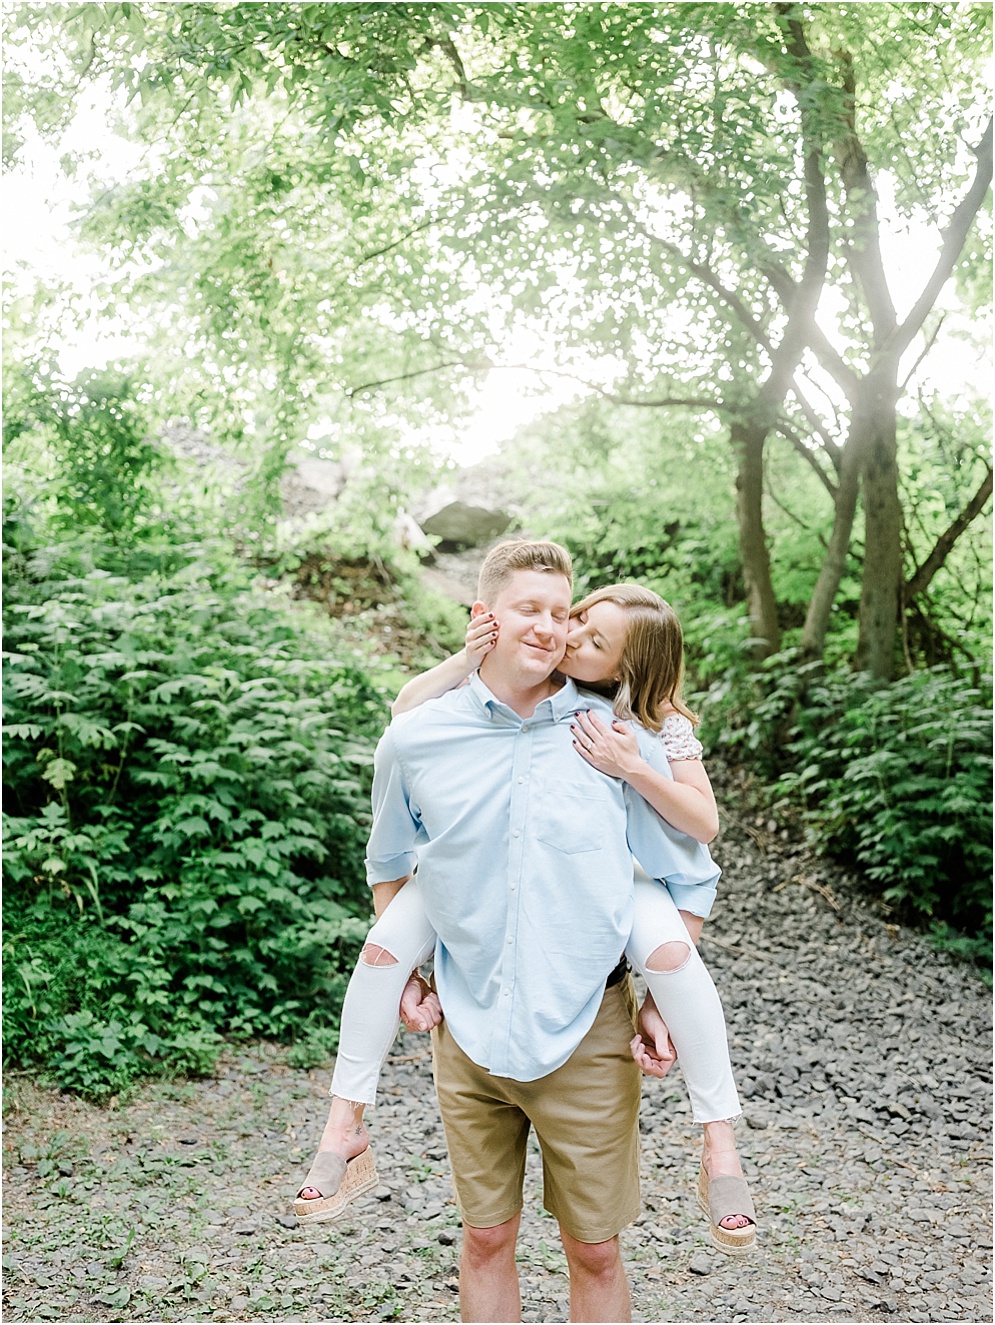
column 720, row 1159
column 345, row 1134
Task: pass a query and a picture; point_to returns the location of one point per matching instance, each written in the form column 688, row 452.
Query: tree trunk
column 882, row 579
column 827, row 585
column 748, row 441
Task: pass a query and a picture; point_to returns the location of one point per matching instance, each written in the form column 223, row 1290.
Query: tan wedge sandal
column 339, row 1182
column 721, row 1197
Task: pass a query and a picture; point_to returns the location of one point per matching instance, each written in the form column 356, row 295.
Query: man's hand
column 420, row 1006
column 653, row 1048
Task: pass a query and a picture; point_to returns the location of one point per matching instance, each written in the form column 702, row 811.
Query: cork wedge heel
column 723, row 1196
column 339, row 1182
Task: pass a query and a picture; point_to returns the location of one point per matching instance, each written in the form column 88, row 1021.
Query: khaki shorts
column 586, row 1117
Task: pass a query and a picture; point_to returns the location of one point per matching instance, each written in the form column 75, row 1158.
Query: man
column 524, row 856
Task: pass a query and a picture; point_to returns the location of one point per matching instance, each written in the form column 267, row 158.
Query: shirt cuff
column 697, row 898
column 391, row 868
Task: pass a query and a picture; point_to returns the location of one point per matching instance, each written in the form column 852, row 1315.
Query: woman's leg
column 661, row 950
column 400, row 940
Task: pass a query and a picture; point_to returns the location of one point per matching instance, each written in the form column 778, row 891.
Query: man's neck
column 523, row 698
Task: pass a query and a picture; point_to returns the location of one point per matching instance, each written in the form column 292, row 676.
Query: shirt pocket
column 572, row 816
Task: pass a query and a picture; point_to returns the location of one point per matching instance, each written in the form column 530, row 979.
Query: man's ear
column 477, row 609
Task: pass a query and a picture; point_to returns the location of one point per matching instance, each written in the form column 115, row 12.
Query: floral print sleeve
column 679, row 740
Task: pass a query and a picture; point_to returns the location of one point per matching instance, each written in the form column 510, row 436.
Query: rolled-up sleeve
column 390, row 852
column 683, row 864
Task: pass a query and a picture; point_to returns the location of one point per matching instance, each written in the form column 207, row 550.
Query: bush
column 92, row 438
column 187, row 794
column 894, row 779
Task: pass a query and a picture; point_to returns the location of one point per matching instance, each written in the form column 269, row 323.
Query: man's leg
column 599, row 1288
column 488, row 1276
column 586, row 1116
column 487, row 1136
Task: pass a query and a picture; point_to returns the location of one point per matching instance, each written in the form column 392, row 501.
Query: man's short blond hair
column 520, row 554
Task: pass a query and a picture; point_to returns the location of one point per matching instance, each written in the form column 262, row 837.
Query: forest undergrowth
column 189, row 744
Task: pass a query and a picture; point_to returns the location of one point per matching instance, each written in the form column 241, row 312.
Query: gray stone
column 701, row 1265
column 459, row 525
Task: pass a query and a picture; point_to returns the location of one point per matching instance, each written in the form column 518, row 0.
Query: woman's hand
column 653, row 1048
column 613, row 750
column 481, row 636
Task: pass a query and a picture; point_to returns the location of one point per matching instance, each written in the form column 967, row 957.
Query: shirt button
column 520, row 781
column 512, row 886
column 507, row 992
column 516, row 833
column 509, row 939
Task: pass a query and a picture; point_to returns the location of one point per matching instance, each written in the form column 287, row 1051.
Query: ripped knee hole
column 372, row 955
column 669, row 957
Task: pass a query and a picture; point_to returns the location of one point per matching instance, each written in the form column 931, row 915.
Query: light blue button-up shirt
column 524, row 855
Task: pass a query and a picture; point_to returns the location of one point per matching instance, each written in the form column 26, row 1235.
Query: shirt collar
column 563, row 702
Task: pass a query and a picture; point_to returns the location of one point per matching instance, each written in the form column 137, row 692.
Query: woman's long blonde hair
column 651, row 668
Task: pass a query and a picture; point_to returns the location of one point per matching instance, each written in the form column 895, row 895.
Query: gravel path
column 864, row 1058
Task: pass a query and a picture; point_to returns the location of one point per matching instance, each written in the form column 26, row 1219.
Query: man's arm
column 390, row 851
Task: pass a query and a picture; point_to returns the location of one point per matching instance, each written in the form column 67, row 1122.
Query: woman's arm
column 481, row 636
column 686, row 801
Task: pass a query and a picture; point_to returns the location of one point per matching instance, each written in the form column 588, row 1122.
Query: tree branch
column 772, row 496
column 485, row 365
column 863, row 252
column 835, row 365
column 954, row 238
column 707, row 277
column 920, row 581
column 930, row 342
column 808, row 455
column 833, row 449
column 480, row 366
column 640, row 402
column 379, row 252
column 448, row 48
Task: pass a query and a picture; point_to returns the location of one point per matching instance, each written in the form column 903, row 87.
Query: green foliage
column 187, row 798
column 435, row 617
column 346, row 212
column 316, row 1048
column 899, row 779
column 893, row 779
column 97, row 432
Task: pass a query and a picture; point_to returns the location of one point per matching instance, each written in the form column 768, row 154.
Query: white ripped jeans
column 686, row 999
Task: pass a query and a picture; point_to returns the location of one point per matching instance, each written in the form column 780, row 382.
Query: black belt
column 618, row 974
